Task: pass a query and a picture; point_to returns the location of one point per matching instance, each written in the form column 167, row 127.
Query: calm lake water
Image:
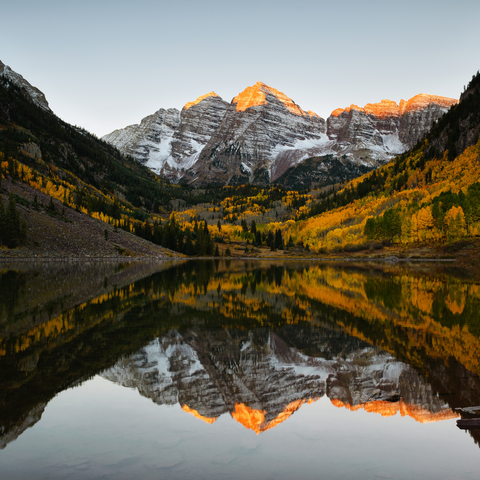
column 236, row 370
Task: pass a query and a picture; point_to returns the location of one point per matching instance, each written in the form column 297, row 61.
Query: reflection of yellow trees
column 413, row 308
column 422, row 299
column 456, row 298
column 66, row 324
column 408, row 302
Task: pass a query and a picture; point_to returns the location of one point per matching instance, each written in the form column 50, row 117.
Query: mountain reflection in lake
column 236, row 370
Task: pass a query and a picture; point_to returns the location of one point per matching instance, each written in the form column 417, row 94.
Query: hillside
column 66, row 193
column 424, row 203
column 66, row 188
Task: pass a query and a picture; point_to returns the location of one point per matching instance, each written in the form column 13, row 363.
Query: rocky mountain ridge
column 28, row 90
column 260, row 380
column 262, row 133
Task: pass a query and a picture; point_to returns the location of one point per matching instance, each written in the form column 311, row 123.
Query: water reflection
column 253, row 340
column 260, row 378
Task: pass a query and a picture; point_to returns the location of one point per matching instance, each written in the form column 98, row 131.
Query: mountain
column 263, row 134
column 260, row 124
column 27, row 89
column 72, row 194
column 385, row 127
column 260, row 380
column 169, row 141
column 428, row 195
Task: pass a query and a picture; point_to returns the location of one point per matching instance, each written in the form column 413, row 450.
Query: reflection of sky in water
column 102, row 430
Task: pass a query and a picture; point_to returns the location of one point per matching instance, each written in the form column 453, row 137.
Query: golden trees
column 454, row 223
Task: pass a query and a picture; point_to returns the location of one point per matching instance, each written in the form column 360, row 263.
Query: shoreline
column 389, row 259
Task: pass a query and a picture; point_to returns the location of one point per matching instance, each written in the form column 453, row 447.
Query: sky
column 106, row 64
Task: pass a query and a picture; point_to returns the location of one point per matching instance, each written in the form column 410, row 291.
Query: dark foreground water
column 219, row 370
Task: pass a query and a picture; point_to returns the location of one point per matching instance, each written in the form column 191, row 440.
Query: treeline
column 169, row 235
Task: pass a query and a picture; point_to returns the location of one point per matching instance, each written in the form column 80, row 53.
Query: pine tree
column 12, row 224
column 270, row 240
column 51, row 207
column 278, row 239
column 180, row 241
column 188, row 242
column 208, row 244
column 2, row 221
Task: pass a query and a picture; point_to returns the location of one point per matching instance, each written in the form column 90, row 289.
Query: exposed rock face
column 381, row 130
column 169, row 141
column 262, row 133
column 28, row 90
column 147, row 138
column 259, row 123
column 260, row 380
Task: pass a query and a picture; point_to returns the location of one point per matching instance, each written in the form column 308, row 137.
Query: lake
column 218, row 369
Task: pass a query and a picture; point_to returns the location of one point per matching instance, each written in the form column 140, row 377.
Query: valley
column 66, row 193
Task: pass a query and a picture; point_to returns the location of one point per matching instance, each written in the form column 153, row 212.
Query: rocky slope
column 258, row 126
column 260, row 380
column 262, row 133
column 170, row 141
column 385, row 128
column 28, row 90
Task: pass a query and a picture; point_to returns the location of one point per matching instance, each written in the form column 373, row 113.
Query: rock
column 263, row 134
column 27, row 89
column 169, row 141
column 382, row 130
column 260, row 125
column 32, row 149
column 471, row 410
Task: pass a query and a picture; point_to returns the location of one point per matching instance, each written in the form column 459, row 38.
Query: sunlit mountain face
column 255, row 341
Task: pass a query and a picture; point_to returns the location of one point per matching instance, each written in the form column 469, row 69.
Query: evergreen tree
column 189, row 250
column 2, row 221
column 51, row 206
column 180, row 241
column 270, row 240
column 217, row 252
column 12, row 226
column 208, row 244
column 278, row 239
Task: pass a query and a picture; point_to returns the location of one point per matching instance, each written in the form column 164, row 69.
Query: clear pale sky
column 106, row 64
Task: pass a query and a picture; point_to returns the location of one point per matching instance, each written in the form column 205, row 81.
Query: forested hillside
column 429, row 195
